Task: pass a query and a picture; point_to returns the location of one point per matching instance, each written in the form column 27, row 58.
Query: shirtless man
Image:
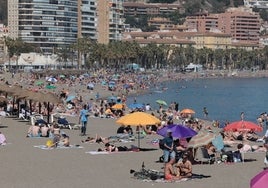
column 44, row 131
column 184, row 167
column 34, row 131
column 169, row 171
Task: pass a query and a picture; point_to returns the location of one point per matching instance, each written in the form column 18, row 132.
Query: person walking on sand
column 83, row 118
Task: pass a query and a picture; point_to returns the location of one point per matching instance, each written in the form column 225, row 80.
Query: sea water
column 224, row 98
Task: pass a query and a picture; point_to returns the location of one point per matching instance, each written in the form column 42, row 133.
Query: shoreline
column 162, row 77
column 77, row 168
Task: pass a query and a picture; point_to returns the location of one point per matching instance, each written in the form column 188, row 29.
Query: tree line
column 118, row 54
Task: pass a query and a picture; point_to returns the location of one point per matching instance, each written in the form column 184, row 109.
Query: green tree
column 83, row 47
column 64, row 54
column 16, row 47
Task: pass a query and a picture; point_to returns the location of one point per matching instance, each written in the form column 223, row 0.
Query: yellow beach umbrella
column 138, row 119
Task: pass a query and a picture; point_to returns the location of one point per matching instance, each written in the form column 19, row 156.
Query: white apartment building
column 48, row 24
column 51, row 24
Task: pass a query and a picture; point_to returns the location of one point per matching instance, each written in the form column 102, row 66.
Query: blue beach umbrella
column 112, row 99
column 69, row 98
column 52, row 79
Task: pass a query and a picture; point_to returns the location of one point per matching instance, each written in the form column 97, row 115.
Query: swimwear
column 99, row 140
column 168, row 177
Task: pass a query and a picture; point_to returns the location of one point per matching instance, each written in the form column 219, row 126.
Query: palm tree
column 83, row 47
column 64, row 54
column 16, row 47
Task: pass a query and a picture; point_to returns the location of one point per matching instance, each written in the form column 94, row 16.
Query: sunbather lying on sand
column 98, row 139
column 112, row 148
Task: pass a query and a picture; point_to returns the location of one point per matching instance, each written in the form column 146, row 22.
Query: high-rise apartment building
column 202, row 22
column 243, row 24
column 55, row 23
column 46, row 23
column 102, row 20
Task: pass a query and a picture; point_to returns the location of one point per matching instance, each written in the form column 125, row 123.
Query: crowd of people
column 178, row 159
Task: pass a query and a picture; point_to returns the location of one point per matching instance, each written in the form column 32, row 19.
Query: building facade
column 51, row 24
column 48, row 24
column 243, row 24
column 110, row 17
column 3, row 47
column 202, row 22
column 182, row 39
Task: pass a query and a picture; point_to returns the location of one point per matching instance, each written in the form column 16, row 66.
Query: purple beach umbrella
column 260, row 180
column 178, row 131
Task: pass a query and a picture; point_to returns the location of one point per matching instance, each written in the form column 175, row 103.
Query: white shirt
column 266, row 134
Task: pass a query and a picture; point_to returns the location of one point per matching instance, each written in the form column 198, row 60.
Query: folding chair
column 206, row 158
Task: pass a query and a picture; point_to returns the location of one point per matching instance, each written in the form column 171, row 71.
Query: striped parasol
column 201, row 139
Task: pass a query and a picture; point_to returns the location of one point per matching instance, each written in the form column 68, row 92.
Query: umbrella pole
column 139, row 142
column 25, row 105
column 30, row 107
column 39, row 105
column 13, row 105
column 48, row 112
column 18, row 103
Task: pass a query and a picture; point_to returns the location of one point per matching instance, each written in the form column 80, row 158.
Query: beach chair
column 63, row 123
column 206, row 158
column 36, row 117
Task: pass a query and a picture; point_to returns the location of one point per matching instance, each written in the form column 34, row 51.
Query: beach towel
column 157, row 177
column 29, row 136
column 105, row 152
column 44, row 147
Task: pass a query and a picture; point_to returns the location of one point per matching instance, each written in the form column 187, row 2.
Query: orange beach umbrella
column 187, row 111
column 118, row 106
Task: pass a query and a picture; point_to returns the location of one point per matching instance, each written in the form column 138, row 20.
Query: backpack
column 162, row 144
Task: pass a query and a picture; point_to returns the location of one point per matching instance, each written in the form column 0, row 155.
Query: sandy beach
column 25, row 166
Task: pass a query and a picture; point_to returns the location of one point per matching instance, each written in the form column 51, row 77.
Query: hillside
column 211, row 6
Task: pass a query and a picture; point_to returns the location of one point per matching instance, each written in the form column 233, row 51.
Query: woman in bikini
column 112, row 148
column 98, row 139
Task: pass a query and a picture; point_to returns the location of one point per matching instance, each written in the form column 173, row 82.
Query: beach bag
column 161, row 144
column 49, row 143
